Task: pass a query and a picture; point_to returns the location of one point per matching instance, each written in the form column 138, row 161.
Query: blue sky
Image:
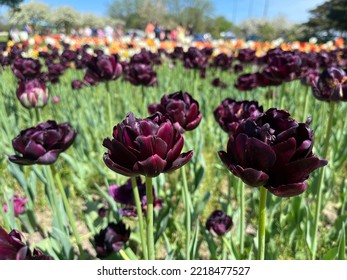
column 294, row 10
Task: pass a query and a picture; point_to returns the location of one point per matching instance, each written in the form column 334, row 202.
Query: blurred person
column 109, row 31
column 150, row 30
column 180, row 33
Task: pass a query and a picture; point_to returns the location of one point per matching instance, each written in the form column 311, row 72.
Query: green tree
column 32, row 13
column 65, row 17
column 11, row 3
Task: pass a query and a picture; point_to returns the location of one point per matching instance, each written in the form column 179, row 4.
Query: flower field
column 154, row 150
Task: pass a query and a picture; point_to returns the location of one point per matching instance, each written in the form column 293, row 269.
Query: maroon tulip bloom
column 246, row 55
column 26, row 68
column 141, row 75
column 18, row 205
column 102, row 212
column 55, row 70
column 246, row 82
column 283, row 67
column 222, row 61
column 331, row 85
column 32, row 93
column 218, row 83
column 194, row 59
column 181, row 108
column 43, row 143
column 111, row 239
column 77, row 84
column 219, row 223
column 238, row 68
column 146, row 147
column 69, row 55
column 102, row 68
column 230, row 113
column 13, row 248
column 143, row 57
column 274, row 151
column 124, row 195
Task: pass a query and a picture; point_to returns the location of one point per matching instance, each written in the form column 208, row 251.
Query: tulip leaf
column 342, row 244
column 131, row 255
column 193, row 247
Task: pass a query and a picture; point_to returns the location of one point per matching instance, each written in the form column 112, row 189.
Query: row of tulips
column 269, row 150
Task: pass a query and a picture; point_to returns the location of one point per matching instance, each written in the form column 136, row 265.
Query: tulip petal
column 252, row 177
column 118, row 168
column 260, row 155
column 150, row 167
column 49, row 157
column 18, row 144
column 175, row 151
column 33, row 150
column 284, row 152
column 119, row 153
column 296, row 171
column 288, row 190
column 166, row 132
column 180, row 161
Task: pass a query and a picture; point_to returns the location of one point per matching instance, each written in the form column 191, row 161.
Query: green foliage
column 328, row 20
column 11, row 3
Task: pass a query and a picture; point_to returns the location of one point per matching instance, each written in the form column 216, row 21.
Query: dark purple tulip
column 222, row 61
column 230, row 113
column 194, row 59
column 102, row 212
column 146, row 147
column 218, row 83
column 238, row 68
column 68, row 55
column 13, row 248
column 331, row 85
column 111, row 239
column 246, row 55
column 246, row 82
column 18, row 205
column 103, row 68
column 124, row 195
column 177, row 53
column 77, row 84
column 207, row 51
column 55, row 70
column 181, row 108
column 263, row 81
column 141, row 75
column 32, row 93
column 274, row 151
column 219, row 223
column 142, row 57
column 283, row 67
column 26, row 68
column 43, row 143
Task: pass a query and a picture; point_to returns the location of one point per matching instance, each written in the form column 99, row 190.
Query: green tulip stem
column 124, row 255
column 69, row 214
column 37, row 115
column 283, row 95
column 242, row 218
column 139, row 216
column 150, row 233
column 306, row 103
column 227, row 245
column 52, row 196
column 261, row 223
column 186, row 196
column 109, row 106
column 321, row 179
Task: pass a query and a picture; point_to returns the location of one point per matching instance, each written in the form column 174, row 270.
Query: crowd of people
column 152, row 30
column 155, row 30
